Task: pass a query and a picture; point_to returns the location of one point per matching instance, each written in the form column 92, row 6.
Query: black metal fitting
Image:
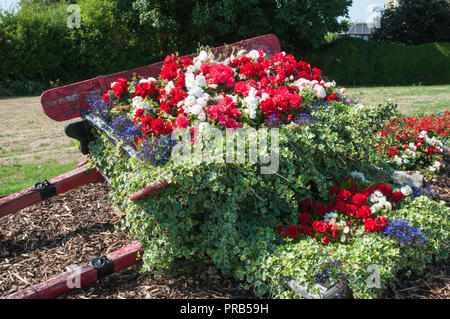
column 81, row 131
column 104, row 266
column 45, row 189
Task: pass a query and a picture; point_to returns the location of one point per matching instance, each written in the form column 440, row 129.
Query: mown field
column 34, row 147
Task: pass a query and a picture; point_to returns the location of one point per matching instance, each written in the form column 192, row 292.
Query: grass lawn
column 34, row 147
column 410, row 99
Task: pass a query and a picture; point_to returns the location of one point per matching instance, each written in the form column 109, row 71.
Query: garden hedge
column 355, row 62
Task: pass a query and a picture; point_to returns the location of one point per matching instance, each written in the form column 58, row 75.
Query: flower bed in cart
column 304, row 219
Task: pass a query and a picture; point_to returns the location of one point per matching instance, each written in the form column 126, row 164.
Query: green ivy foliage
column 359, row 259
column 227, row 212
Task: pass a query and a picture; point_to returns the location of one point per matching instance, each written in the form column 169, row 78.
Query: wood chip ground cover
column 39, row 242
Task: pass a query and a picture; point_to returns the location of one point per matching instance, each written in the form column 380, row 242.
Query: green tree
column 415, row 22
column 298, row 23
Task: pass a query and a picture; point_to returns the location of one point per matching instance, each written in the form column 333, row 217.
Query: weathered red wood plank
column 148, row 190
column 83, row 163
column 62, row 184
column 66, row 102
column 79, row 277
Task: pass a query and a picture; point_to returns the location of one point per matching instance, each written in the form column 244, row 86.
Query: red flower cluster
column 402, row 136
column 375, row 225
column 120, row 88
column 349, row 201
column 223, row 112
column 223, row 89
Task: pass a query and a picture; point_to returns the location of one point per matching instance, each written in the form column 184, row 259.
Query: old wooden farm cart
column 69, row 102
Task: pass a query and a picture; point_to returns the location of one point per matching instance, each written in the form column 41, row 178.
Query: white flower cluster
column 408, row 157
column 197, row 98
column 319, row 90
column 434, row 142
column 360, row 176
column 380, row 202
column 139, row 103
column 435, row 167
column 251, row 102
column 331, row 217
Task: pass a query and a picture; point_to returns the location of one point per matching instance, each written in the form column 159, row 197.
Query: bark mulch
column 40, row 241
column 434, row 283
column 441, row 184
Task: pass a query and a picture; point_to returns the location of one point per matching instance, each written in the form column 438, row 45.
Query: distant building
column 360, row 31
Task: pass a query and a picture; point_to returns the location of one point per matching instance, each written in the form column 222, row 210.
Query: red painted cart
column 68, row 102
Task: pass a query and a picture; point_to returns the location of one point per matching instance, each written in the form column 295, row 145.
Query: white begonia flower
column 343, row 223
column 136, row 101
column 264, row 96
column 412, row 147
column 169, row 87
column 406, row 190
column 303, row 84
column 242, row 77
column 251, row 100
column 378, row 194
column 202, row 116
column 359, row 175
column 202, row 102
column 151, row 79
column 190, row 100
column 331, row 217
column 196, row 109
column 346, row 230
column 217, row 98
column 398, row 160
column 376, row 208
column 252, row 114
column 197, row 92
column 343, row 238
column 320, row 91
column 387, row 205
column 200, row 80
column 253, row 54
column 203, row 56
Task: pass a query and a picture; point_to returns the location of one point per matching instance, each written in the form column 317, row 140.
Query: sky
column 360, row 10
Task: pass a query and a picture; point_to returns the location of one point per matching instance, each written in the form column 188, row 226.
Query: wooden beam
column 62, row 183
column 148, row 190
column 80, row 276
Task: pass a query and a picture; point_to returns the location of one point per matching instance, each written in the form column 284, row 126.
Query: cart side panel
column 66, row 102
